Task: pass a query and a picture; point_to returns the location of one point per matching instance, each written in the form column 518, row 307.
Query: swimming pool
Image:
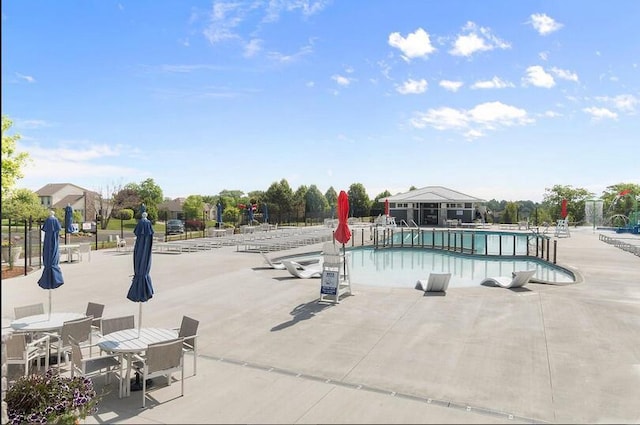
column 402, row 267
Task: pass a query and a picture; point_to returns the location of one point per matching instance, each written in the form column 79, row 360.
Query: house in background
column 434, row 205
column 59, row 195
column 172, row 209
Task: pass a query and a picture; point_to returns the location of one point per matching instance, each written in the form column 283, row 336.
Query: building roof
column 67, row 200
column 53, row 188
column 433, row 194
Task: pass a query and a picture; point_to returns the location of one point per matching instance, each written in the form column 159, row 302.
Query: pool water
column 402, row 267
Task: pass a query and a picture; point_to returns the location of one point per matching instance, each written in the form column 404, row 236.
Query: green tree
column 359, row 202
column 300, row 203
column 316, row 203
column 193, row 207
column 279, row 196
column 510, row 213
column 12, row 162
column 149, row 193
column 576, row 197
column 332, row 199
column 24, row 204
column 614, row 203
column 125, row 198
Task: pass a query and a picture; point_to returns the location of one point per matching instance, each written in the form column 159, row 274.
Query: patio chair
column 90, row 367
column 300, row 271
column 160, row 359
column 79, row 329
column 23, row 352
column 28, row 310
column 115, row 324
column 95, row 310
column 188, row 330
column 519, row 279
column 120, row 243
column 273, row 265
column 84, row 248
column 437, row 282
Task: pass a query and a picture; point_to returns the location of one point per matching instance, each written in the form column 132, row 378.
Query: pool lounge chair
column 519, row 279
column 437, row 282
column 298, row 270
column 273, row 265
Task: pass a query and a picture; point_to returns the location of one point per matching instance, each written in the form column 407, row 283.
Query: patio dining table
column 133, row 341
column 44, row 322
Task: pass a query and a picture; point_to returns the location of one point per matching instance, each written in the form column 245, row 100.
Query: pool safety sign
column 329, row 285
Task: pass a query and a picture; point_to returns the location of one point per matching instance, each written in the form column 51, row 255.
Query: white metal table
column 44, row 322
column 69, row 248
column 130, row 341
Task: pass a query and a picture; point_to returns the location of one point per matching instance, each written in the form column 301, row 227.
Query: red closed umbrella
column 386, row 207
column 563, row 212
column 342, row 233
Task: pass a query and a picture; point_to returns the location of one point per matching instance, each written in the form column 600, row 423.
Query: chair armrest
column 39, row 340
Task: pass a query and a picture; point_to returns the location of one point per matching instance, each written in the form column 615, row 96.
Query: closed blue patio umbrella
column 141, row 289
column 51, row 275
column 219, row 214
column 68, row 221
column 250, row 212
column 265, row 213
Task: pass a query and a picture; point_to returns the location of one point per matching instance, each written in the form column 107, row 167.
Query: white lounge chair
column 519, row 279
column 298, row 270
column 273, row 265
column 437, row 282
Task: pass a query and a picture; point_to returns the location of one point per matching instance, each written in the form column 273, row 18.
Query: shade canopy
column 141, row 289
column 51, row 274
column 219, row 212
column 342, row 233
column 68, row 219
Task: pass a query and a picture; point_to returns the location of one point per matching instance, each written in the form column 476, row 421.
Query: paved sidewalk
column 269, row 353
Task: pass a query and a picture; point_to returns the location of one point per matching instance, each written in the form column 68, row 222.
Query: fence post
column 555, row 250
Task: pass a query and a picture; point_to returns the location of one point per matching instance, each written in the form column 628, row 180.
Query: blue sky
column 496, row 99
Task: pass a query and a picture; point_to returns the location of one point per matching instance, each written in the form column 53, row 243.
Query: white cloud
column 600, row 113
column 622, row 102
column 476, row 39
column 451, row 85
column 543, row 56
column 474, row 122
column 537, row 76
column 252, row 48
column 27, row 78
column 494, row 83
column 415, row 45
column 552, row 114
column 564, row 74
column 341, row 80
column 444, row 118
column 413, row 87
column 544, row 24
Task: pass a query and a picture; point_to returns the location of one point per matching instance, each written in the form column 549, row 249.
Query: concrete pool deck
column 269, row 353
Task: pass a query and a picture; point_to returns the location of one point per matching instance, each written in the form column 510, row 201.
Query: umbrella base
column 136, row 383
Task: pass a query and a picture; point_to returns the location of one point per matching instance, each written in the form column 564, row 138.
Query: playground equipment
column 631, row 222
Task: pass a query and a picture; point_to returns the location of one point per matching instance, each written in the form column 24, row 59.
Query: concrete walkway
column 270, row 353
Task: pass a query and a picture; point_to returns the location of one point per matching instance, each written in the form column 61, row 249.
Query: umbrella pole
column 139, row 318
column 49, row 303
column 344, row 262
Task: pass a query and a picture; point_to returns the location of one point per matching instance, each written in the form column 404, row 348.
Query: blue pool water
column 402, row 267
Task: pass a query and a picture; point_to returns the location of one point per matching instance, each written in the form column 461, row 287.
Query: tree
column 125, row 198
column 316, row 203
column 106, row 200
column 12, row 162
column 615, row 203
column 575, row 197
column 24, row 204
column 359, row 202
column 279, row 196
column 193, row 207
column 332, row 199
column 510, row 214
column 299, row 202
column 149, row 193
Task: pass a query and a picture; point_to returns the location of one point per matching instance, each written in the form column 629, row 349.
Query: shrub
column 197, row 225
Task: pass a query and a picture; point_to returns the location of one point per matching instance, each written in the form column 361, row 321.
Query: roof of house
column 53, row 188
column 433, row 194
column 67, row 200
